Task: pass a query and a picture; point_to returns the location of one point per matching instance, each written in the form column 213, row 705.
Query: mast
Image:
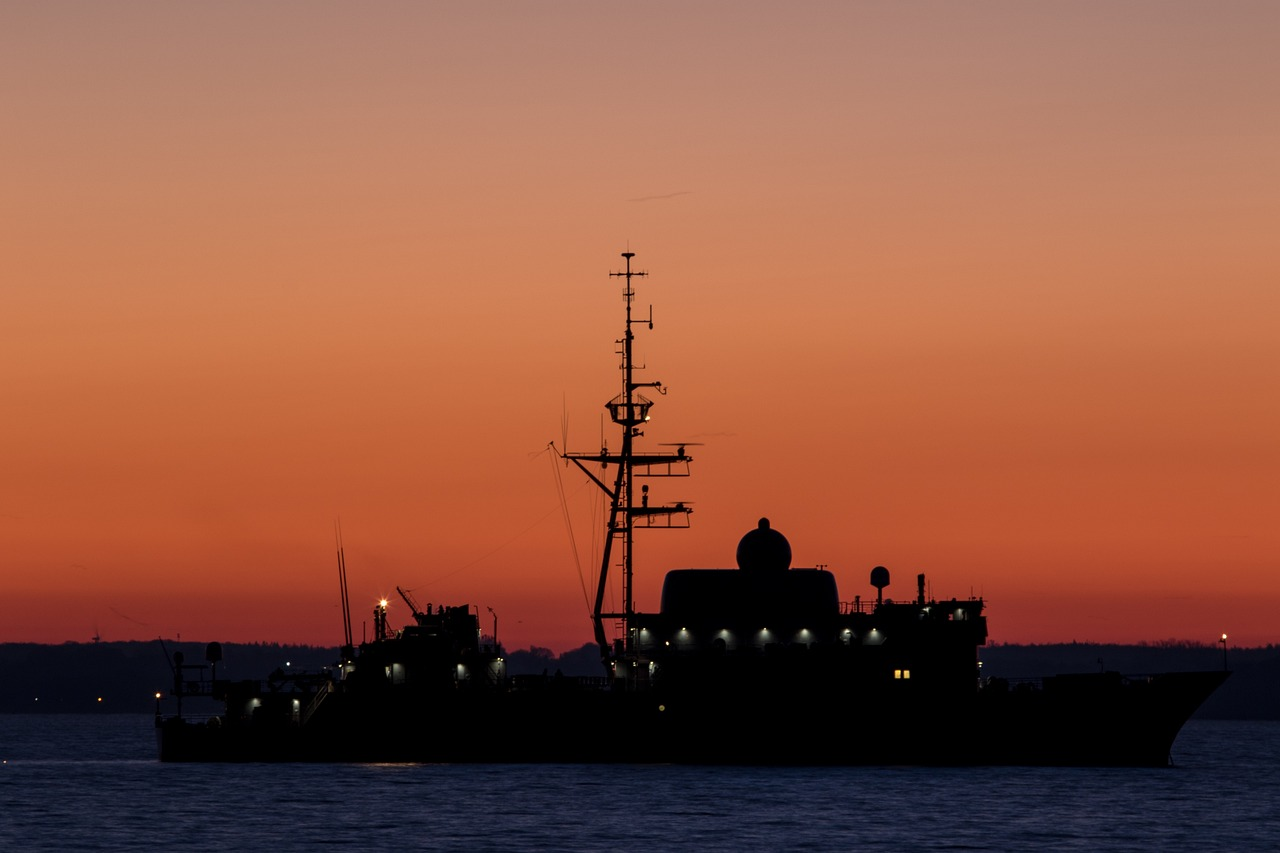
column 630, row 411
column 346, row 601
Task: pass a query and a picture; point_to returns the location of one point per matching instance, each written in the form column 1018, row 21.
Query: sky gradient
column 987, row 291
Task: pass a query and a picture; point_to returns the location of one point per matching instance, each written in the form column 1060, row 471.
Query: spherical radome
column 764, row 550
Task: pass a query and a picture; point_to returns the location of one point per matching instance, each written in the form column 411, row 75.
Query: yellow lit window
column 901, row 673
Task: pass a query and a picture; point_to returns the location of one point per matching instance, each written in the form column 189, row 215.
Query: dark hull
column 1094, row 720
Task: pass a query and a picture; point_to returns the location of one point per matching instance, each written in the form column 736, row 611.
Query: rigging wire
column 552, row 454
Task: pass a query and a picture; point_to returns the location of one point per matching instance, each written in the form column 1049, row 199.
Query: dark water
column 91, row 783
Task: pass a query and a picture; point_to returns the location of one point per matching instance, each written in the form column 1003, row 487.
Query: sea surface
column 91, row 782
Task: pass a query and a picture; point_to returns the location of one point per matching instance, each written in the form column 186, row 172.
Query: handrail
column 326, row 688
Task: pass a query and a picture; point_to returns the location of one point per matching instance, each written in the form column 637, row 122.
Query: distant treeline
column 125, row 676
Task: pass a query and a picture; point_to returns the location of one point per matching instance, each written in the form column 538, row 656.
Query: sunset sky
column 989, row 291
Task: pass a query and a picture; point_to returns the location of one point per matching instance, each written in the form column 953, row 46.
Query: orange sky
column 983, row 290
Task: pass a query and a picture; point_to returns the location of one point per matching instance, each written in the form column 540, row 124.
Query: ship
column 762, row 664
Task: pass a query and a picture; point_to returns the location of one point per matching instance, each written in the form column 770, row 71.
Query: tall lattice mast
column 629, row 410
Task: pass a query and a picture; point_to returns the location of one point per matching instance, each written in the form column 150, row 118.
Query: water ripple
column 89, row 783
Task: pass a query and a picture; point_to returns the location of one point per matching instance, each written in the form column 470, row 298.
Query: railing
column 860, row 606
column 997, row 683
column 1065, row 680
column 566, row 682
column 869, row 606
column 325, row 689
column 196, row 687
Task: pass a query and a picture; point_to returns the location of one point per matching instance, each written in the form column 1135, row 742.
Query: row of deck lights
column 763, row 637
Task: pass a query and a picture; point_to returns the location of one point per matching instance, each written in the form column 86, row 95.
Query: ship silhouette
column 764, row 663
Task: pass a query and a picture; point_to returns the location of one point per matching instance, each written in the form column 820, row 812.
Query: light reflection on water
column 91, row 783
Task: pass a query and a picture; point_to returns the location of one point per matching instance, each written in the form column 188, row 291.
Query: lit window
column 902, row 674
